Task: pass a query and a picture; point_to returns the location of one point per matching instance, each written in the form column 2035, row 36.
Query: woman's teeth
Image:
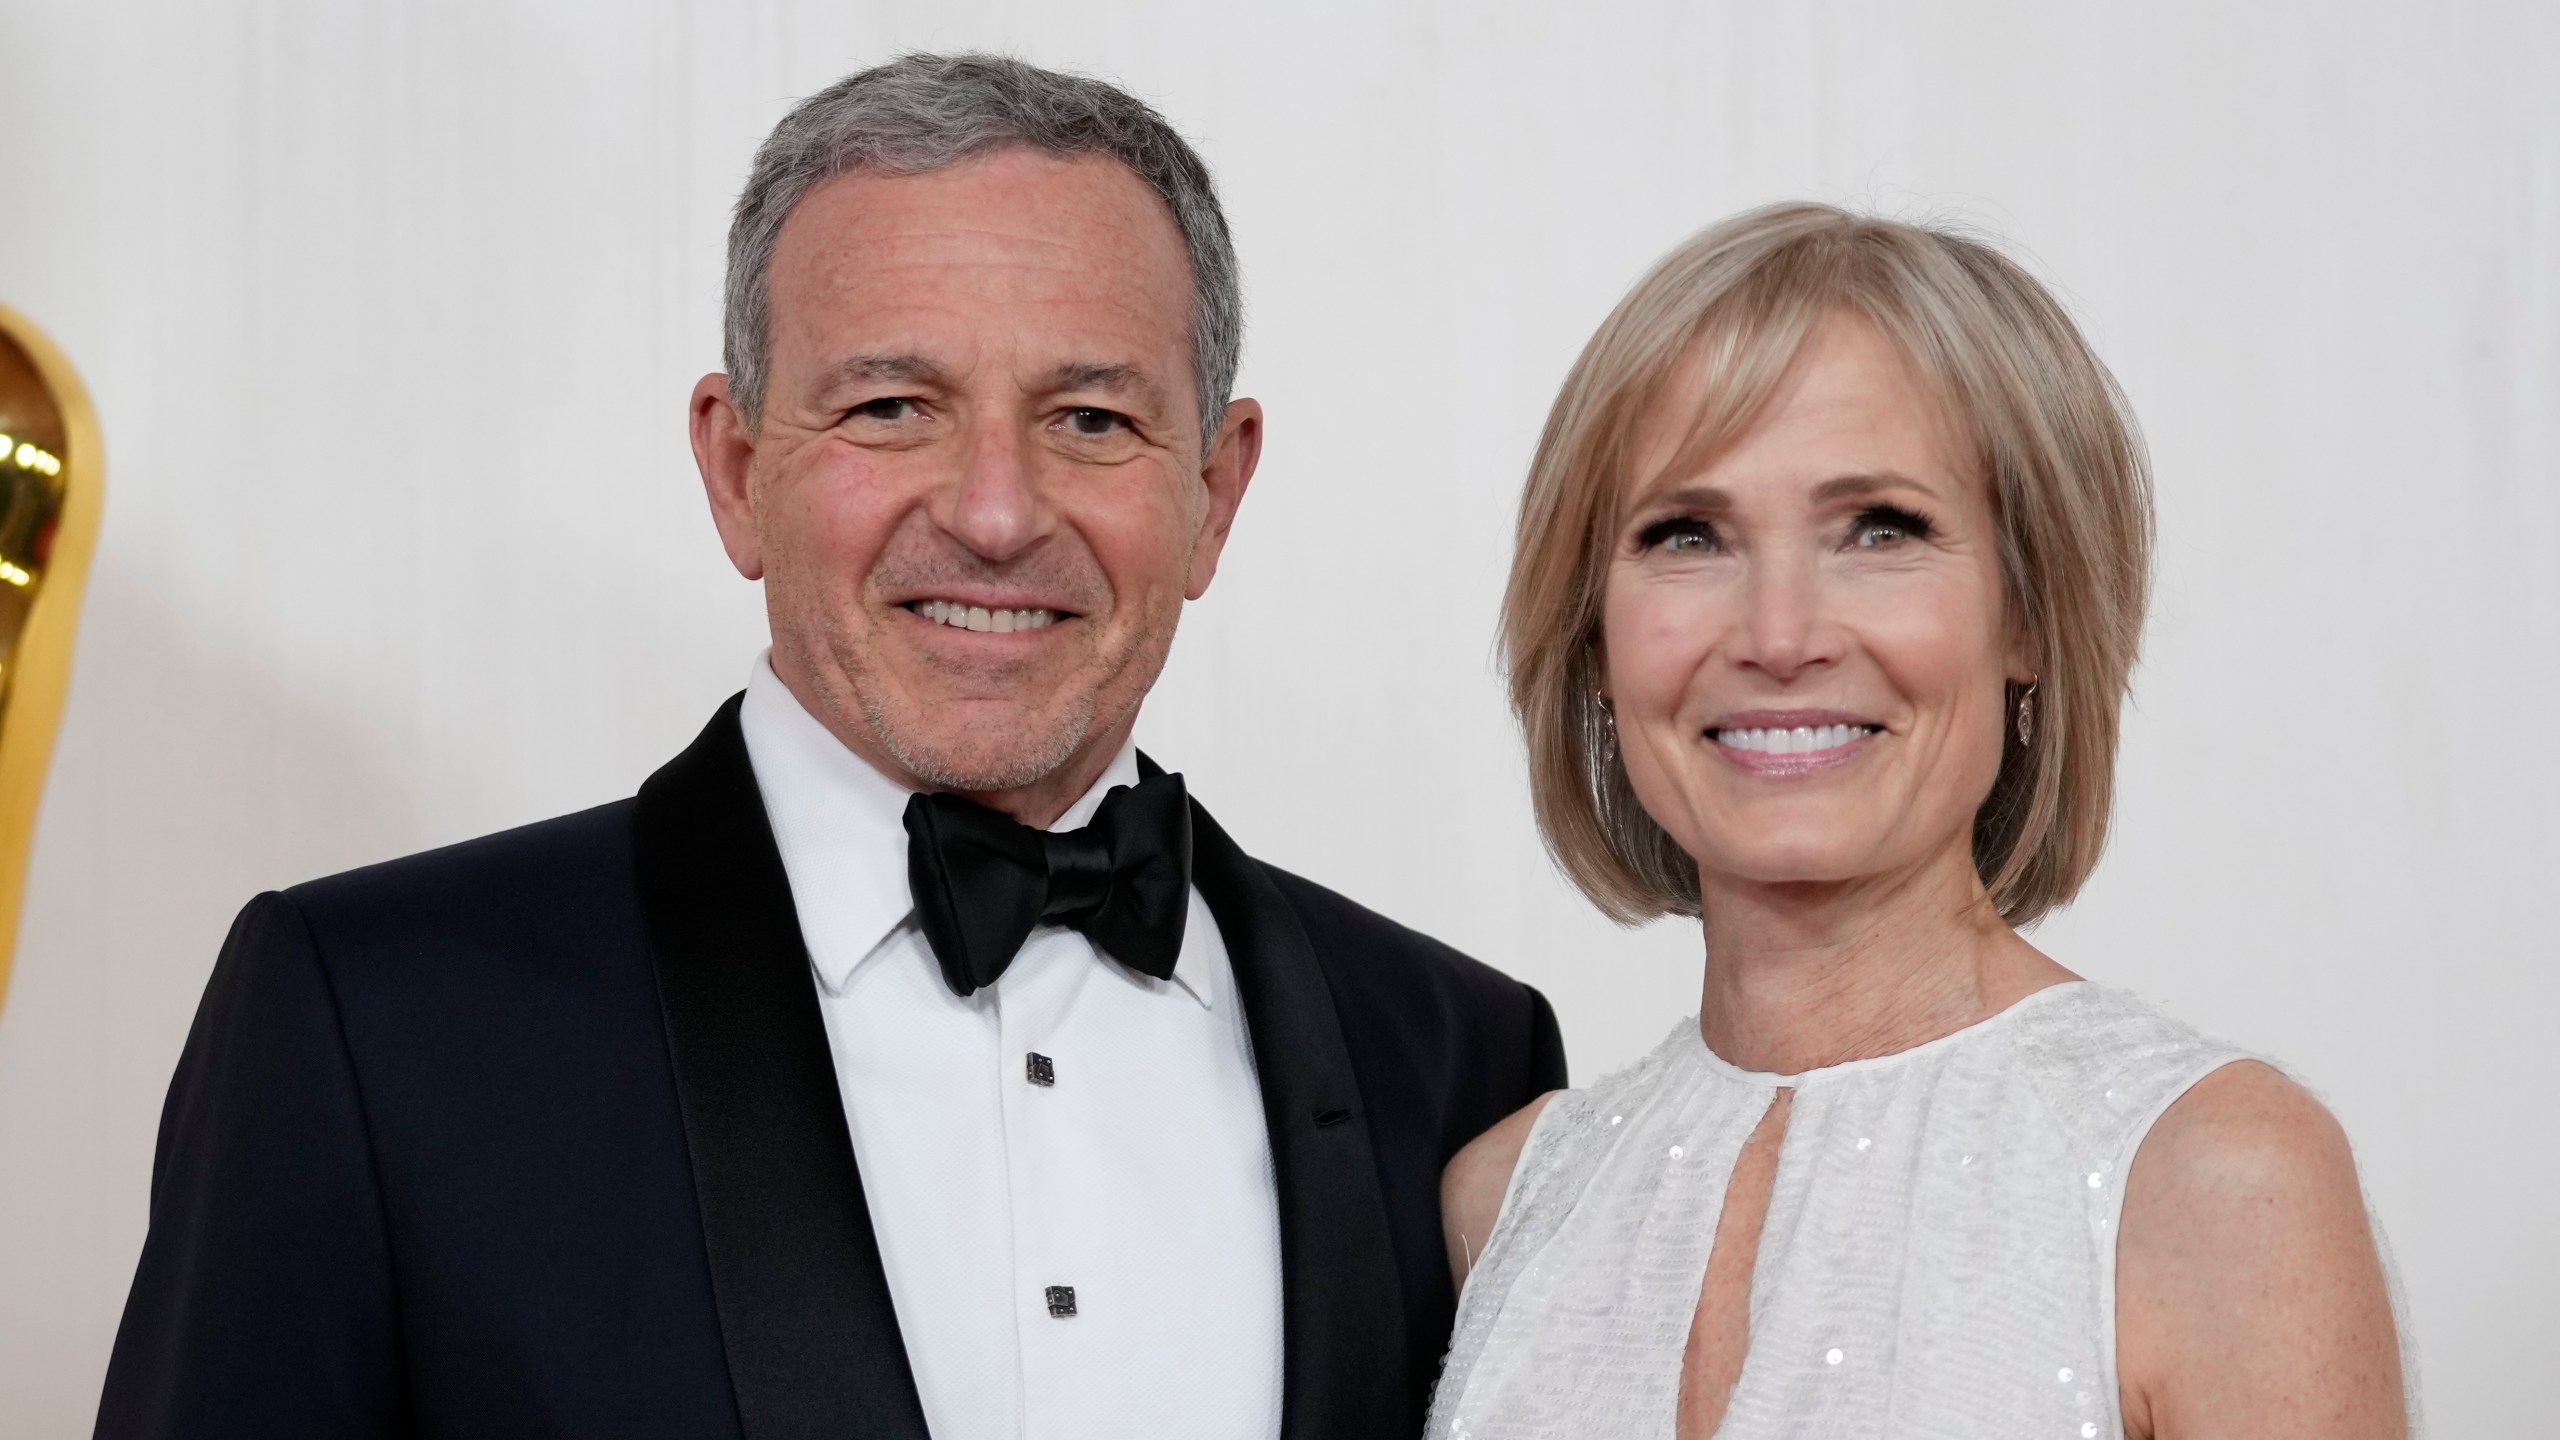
column 1802, row 740
column 980, row 618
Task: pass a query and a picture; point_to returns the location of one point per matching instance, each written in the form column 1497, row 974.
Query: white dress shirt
column 1140, row 1176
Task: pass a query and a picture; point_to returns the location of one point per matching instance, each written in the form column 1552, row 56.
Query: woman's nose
column 1785, row 632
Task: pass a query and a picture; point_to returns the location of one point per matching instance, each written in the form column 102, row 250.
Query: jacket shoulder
column 552, row 872
column 1385, row 974
column 1339, row 924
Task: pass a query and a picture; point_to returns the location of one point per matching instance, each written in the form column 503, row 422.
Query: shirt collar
column 840, row 825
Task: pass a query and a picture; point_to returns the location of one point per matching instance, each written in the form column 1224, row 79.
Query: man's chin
column 978, row 775
column 978, row 748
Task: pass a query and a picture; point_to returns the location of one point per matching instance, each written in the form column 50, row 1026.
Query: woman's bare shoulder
column 2249, row 1124
column 1473, row 1182
column 2250, row 1293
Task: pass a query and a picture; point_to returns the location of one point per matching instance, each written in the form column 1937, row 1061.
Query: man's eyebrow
column 1110, row 379
column 910, row 368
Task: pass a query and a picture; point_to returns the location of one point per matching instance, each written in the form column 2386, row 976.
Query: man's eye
column 888, row 408
column 1091, row 423
column 1680, row 536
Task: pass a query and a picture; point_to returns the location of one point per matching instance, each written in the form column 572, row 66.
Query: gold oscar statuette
column 50, row 477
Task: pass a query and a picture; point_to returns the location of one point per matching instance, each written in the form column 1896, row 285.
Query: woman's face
column 1806, row 641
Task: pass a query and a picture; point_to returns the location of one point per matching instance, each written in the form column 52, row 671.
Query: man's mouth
column 982, row 619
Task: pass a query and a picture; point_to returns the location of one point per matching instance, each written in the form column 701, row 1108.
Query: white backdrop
column 391, row 312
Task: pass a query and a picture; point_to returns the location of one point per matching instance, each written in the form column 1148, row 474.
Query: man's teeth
column 1802, row 740
column 980, row 618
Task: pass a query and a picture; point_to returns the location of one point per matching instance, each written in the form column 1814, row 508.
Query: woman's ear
column 2021, row 661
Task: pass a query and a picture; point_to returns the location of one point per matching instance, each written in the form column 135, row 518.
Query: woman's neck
column 1804, row 976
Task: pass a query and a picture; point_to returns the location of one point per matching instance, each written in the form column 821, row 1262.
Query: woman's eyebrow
column 1717, row 498
column 1846, row 486
column 1690, row 497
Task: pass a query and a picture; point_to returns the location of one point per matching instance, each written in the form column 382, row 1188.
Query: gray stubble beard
column 1021, row 770
column 911, row 743
column 918, row 755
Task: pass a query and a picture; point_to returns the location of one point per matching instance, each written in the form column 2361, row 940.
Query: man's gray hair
column 921, row 113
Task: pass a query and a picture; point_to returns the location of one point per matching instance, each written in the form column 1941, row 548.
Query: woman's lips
column 1785, row 750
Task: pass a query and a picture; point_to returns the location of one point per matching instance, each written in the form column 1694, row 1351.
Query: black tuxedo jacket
column 539, row 1136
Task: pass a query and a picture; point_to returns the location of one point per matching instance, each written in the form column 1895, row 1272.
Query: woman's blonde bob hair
column 2055, row 441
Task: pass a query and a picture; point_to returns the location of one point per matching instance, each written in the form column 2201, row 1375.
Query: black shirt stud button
column 1062, row 1302
column 1037, row 1069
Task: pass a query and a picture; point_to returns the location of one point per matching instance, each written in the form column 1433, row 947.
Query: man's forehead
column 1053, row 262
column 1016, row 207
column 1043, row 231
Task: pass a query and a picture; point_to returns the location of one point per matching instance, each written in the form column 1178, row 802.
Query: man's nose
column 993, row 505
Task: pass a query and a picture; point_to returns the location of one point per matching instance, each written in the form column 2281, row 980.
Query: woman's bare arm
column 1472, row 1184
column 2250, row 1301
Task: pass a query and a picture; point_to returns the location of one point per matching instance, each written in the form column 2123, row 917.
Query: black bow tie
column 982, row 880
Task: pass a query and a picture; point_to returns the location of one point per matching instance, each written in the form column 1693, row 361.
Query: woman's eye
column 1680, row 536
column 1093, row 424
column 1885, row 526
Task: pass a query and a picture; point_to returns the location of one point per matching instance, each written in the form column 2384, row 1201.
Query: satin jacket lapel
column 1342, row 1311
column 805, row 1312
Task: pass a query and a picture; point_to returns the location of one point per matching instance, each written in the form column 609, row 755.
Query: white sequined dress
column 1938, row 1258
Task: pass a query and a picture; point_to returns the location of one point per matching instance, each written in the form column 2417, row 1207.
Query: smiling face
column 1806, row 641
column 977, row 494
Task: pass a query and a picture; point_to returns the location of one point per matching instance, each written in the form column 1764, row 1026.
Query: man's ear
column 1223, row 478
column 724, row 450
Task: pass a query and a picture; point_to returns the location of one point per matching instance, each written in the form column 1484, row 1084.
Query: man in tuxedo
column 911, row 1055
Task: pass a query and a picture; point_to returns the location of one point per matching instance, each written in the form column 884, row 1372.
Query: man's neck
column 1037, row 804
column 1040, row 803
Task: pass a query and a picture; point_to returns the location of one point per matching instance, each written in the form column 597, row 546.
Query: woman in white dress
column 1830, row 575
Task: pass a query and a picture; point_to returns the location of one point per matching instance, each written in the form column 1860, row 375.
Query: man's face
column 977, row 494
